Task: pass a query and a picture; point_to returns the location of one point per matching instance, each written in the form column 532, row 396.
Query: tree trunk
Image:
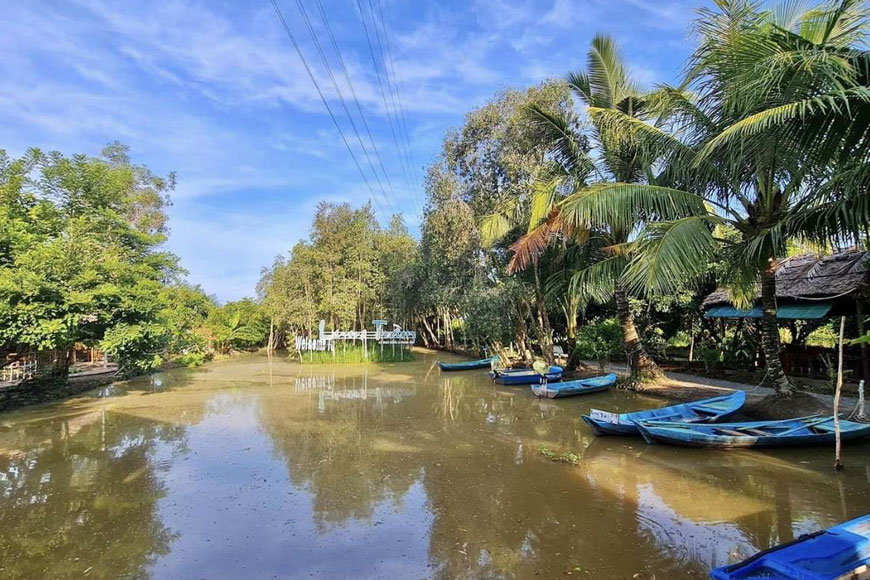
column 640, row 363
column 520, row 329
column 770, row 333
column 546, row 332
column 571, row 330
column 431, row 333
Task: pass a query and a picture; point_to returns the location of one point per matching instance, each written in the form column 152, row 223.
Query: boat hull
column 574, row 388
column 466, row 366
column 703, row 411
column 715, row 436
column 601, row 428
column 838, row 552
column 525, row 376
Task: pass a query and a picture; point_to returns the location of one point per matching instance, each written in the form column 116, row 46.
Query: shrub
column 600, row 341
column 136, row 348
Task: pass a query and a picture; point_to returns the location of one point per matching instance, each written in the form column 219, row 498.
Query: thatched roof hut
column 807, row 286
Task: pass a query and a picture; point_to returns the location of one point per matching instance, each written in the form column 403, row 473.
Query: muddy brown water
column 261, row 468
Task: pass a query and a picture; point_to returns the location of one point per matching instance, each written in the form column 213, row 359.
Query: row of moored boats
column 696, row 424
column 838, row 553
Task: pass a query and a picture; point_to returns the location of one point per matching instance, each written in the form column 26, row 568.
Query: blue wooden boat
column 525, row 376
column 800, row 432
column 703, row 411
column 838, row 553
column 483, row 363
column 571, row 388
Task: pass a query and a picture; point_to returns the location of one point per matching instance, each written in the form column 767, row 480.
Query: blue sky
column 214, row 91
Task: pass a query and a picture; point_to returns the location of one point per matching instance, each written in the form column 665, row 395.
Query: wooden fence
column 27, row 366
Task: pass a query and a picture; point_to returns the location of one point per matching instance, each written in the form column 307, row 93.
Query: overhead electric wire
column 323, row 98
column 355, row 97
column 403, row 116
column 338, row 92
column 402, row 159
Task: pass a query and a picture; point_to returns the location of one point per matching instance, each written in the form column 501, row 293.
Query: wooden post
column 838, row 461
column 859, row 319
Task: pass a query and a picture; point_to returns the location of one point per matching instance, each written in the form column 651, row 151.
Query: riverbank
column 761, row 402
column 15, row 395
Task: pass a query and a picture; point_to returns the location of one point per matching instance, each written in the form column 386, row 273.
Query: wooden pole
column 838, row 460
column 859, row 319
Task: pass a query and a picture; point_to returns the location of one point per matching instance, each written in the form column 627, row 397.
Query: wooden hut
column 811, row 289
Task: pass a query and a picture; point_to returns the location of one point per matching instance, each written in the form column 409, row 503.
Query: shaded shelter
column 812, row 289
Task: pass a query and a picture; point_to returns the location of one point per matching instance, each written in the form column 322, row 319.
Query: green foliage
column 81, row 259
column 237, row 325
column 600, row 341
column 190, row 359
column 136, row 347
column 350, row 272
column 559, row 457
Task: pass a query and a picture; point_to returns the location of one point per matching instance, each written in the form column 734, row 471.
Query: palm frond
column 838, row 102
column 495, row 226
column 608, row 78
column 670, row 255
column 597, row 281
column 621, row 205
column 567, row 146
column 543, row 198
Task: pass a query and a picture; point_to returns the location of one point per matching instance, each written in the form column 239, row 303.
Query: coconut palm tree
column 770, row 129
column 583, row 212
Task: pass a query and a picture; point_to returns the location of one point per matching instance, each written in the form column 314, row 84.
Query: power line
column 322, row 97
column 396, row 85
column 335, row 86
column 355, row 97
column 383, row 93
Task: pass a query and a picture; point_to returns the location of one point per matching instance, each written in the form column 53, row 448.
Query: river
column 258, row 467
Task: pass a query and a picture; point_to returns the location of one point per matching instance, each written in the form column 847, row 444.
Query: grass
column 571, row 458
column 353, row 354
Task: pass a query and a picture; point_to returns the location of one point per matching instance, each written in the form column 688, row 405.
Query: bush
column 136, row 347
column 600, row 341
column 190, row 359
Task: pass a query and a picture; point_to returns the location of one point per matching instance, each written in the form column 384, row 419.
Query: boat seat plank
column 733, row 432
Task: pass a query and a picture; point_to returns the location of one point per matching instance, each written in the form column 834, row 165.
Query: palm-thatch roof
column 809, row 277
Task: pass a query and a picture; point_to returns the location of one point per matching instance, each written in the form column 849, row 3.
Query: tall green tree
column 348, row 273
column 82, row 258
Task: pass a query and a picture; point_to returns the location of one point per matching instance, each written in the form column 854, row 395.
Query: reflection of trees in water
column 501, row 511
column 465, row 444
column 718, row 507
column 345, row 455
column 80, row 497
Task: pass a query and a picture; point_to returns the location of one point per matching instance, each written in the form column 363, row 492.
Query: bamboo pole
column 838, row 460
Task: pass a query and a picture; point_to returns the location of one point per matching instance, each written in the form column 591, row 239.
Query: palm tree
column 773, row 139
column 585, row 213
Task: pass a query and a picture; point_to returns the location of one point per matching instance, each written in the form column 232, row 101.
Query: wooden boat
column 571, row 388
column 703, row 411
column 525, row 376
column 483, row 363
column 838, row 553
column 800, row 432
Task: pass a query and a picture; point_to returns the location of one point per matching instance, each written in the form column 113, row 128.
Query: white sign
column 604, row 416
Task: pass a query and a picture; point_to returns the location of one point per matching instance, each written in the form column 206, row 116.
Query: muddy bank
column 760, row 405
column 31, row 393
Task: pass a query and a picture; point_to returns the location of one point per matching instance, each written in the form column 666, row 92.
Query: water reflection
column 258, row 467
column 78, row 496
